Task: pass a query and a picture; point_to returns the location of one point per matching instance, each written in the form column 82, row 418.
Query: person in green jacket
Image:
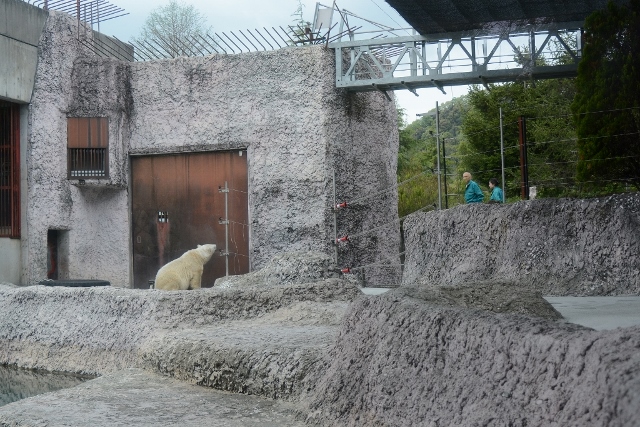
column 472, row 192
column 496, row 192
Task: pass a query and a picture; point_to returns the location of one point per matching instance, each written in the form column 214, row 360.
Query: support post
column 504, row 185
column 335, row 219
column 438, row 161
column 225, row 221
column 444, row 158
column 524, row 169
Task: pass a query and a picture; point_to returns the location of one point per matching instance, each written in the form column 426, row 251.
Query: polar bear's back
column 175, row 275
column 184, row 272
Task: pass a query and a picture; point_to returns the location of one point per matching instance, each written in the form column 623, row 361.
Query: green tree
column 417, row 154
column 550, row 135
column 301, row 29
column 171, row 30
column 418, row 185
column 607, row 102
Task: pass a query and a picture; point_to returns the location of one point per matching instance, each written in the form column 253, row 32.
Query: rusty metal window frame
column 87, row 147
column 9, row 170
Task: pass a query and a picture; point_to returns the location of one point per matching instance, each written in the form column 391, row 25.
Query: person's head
column 466, row 177
column 493, row 183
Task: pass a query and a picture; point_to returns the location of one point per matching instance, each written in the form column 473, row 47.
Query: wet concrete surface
column 134, row 397
column 599, row 313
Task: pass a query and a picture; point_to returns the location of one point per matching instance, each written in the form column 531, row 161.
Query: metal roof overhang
column 444, row 16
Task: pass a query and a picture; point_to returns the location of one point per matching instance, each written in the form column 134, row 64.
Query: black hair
column 494, row 181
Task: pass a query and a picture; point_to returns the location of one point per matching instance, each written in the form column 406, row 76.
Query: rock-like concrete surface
column 402, row 361
column 487, row 351
column 277, row 355
column 497, row 297
column 100, row 330
column 286, row 268
column 137, row 398
column 555, row 246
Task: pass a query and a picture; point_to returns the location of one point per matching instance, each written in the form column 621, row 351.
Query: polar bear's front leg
column 196, row 279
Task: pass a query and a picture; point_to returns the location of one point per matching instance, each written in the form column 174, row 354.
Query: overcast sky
column 225, row 15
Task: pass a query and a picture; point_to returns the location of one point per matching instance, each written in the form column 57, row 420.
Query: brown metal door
column 177, row 204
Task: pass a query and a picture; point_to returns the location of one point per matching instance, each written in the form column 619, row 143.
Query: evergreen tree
column 607, row 102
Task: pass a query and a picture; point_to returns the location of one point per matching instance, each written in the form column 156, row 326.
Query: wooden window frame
column 10, row 164
column 87, row 148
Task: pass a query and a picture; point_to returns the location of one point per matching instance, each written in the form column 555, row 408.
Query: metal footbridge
column 460, row 42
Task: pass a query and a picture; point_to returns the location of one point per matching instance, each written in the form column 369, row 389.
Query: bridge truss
column 504, row 52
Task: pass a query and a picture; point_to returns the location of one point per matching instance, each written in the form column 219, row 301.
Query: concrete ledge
column 402, row 361
column 137, row 398
column 105, row 329
column 559, row 247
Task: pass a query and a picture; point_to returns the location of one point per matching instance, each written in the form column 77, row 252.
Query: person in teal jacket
column 472, row 192
column 496, row 192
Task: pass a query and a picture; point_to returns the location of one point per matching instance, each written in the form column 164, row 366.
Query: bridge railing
column 504, row 53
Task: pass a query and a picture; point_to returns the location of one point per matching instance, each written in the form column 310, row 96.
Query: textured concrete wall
column 10, row 260
column 281, row 106
column 20, row 28
column 93, row 218
column 556, row 246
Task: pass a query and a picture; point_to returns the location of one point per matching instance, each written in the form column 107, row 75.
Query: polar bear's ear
column 199, row 246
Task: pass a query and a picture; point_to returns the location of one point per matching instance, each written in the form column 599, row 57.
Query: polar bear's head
column 206, row 251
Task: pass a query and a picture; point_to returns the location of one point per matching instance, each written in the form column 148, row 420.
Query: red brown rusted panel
column 87, row 132
column 15, row 171
column 176, row 205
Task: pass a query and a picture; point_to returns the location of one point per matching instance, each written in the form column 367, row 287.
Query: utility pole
column 437, row 151
column 524, row 164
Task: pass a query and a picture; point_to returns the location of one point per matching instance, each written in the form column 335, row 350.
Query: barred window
column 88, row 147
column 9, row 170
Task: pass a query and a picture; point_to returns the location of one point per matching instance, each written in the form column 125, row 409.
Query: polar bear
column 185, row 272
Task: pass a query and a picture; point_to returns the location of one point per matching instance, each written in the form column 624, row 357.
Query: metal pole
column 226, row 228
column 335, row 219
column 225, row 221
column 438, row 155
column 504, row 186
column 524, row 171
column 444, row 159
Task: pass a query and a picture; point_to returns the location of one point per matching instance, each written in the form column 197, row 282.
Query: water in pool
column 16, row 383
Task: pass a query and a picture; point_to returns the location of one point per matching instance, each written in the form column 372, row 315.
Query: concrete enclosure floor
column 599, row 313
column 134, row 397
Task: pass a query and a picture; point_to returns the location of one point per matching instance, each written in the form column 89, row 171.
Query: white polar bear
column 185, row 272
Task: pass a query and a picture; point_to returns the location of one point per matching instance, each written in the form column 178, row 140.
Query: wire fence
column 551, row 166
column 540, row 165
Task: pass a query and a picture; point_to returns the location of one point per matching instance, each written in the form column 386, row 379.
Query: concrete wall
column 93, row 218
column 20, row 28
column 281, row 106
column 556, row 246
